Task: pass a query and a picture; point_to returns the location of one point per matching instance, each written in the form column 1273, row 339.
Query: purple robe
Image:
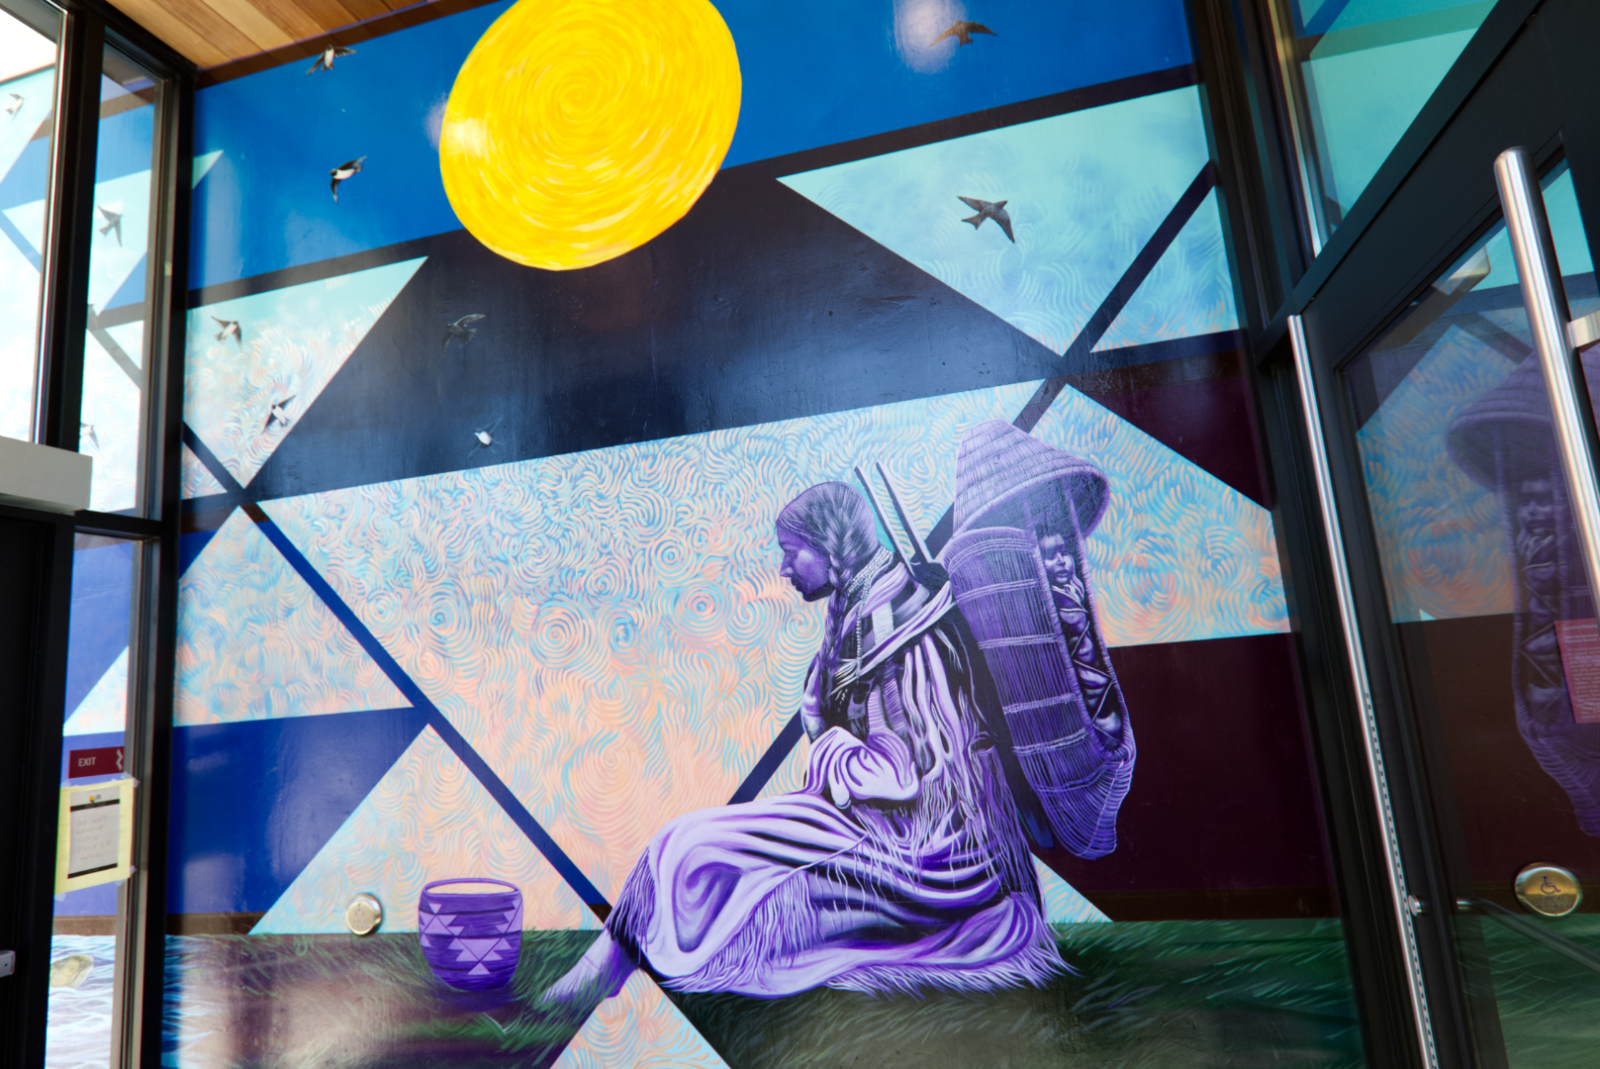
column 900, row 864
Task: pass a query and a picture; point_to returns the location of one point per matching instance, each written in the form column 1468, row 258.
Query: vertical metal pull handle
column 1402, row 903
column 1546, row 299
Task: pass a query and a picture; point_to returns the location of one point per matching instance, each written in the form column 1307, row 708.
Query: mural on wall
column 693, row 530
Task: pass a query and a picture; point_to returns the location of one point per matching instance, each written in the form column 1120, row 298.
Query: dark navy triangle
column 757, row 306
column 255, row 801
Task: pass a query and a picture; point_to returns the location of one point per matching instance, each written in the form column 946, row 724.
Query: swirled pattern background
column 1085, row 191
column 1440, row 535
column 428, row 819
column 639, row 1027
column 255, row 642
column 293, row 341
column 577, row 131
column 197, row 480
column 609, row 630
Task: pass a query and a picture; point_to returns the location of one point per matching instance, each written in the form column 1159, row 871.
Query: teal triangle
column 1085, row 191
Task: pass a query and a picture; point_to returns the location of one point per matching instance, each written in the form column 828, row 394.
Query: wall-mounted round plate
column 1548, row 890
column 363, row 915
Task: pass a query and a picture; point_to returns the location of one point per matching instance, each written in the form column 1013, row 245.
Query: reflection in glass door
column 1487, row 591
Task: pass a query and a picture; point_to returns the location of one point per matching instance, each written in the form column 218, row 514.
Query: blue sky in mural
column 843, row 70
column 1084, row 192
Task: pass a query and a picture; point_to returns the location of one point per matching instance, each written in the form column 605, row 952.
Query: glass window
column 83, row 946
column 28, row 44
column 1495, row 622
column 1360, row 71
column 115, row 357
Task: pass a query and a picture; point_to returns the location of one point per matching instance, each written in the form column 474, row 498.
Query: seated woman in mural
column 900, row 865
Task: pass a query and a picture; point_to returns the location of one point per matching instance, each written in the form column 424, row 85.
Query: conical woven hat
column 1513, row 419
column 998, row 466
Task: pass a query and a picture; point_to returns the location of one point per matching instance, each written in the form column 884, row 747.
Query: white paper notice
column 94, row 843
column 96, row 823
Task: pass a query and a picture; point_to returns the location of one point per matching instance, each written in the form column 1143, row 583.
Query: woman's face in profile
column 804, row 567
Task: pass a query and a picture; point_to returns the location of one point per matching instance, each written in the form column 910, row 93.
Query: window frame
column 88, row 28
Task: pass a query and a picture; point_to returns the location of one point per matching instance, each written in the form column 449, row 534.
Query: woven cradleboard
column 1011, row 489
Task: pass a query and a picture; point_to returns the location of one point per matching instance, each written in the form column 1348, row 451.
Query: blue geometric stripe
column 458, row 744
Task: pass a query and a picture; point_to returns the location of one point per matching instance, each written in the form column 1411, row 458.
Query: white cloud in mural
column 291, row 343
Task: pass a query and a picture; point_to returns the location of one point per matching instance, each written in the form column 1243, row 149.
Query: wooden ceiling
column 212, row 33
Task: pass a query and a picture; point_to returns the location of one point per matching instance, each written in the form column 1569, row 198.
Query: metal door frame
column 1518, row 82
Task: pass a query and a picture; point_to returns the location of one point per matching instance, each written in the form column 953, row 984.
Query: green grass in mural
column 1547, row 1003
column 294, row 1002
column 1150, row 995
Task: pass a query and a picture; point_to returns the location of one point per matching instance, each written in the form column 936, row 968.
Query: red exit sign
column 106, row 761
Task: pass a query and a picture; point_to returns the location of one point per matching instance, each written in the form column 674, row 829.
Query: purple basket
column 471, row 931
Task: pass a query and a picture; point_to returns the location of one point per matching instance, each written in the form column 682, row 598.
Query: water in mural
column 711, row 600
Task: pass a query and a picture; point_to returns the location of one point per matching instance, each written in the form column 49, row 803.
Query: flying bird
column 462, row 328
column 989, row 209
column 113, row 222
column 17, row 101
column 230, row 329
column 325, row 61
column 88, row 429
column 962, row 31
column 277, row 412
column 343, row 171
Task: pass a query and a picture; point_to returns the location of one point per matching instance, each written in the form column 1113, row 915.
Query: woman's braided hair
column 835, row 520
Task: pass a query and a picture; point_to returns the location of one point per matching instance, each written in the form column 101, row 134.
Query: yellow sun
column 580, row 129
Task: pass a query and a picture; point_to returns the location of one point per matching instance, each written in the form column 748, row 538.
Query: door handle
column 1404, row 905
column 1545, row 296
column 8, row 962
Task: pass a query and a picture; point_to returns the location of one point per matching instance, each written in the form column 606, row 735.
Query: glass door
column 1455, row 544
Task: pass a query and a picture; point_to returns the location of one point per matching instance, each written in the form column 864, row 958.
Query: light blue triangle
column 1063, row 904
column 255, row 642
column 427, row 819
column 294, row 340
column 1189, row 291
column 203, row 165
column 105, row 708
column 1085, row 191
